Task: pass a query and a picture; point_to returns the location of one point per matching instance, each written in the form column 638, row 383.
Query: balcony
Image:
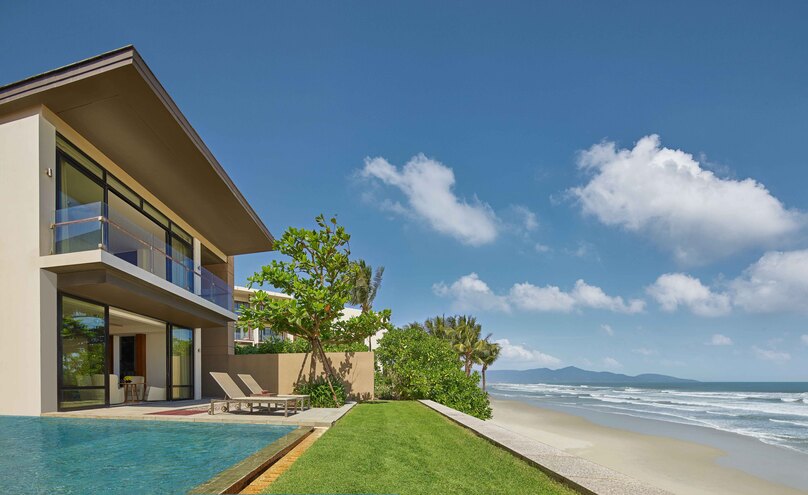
column 96, row 226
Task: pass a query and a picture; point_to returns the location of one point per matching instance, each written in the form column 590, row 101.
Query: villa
column 124, row 231
column 254, row 336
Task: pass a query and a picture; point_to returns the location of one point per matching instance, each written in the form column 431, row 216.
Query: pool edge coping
column 239, row 475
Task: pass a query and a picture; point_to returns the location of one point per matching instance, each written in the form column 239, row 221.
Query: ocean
column 774, row 413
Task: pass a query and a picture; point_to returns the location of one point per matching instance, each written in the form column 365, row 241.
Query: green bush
column 281, row 346
column 320, row 392
column 382, row 388
column 416, row 365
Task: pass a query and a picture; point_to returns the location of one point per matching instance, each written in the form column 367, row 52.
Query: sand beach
column 683, row 459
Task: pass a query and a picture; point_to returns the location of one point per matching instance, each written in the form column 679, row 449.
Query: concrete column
column 28, row 294
column 116, row 355
column 197, row 363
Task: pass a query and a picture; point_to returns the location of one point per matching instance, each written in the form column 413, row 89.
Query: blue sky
column 492, row 155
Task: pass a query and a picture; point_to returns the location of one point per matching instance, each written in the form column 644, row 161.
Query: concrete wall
column 278, row 373
column 156, row 359
column 218, row 341
column 27, row 294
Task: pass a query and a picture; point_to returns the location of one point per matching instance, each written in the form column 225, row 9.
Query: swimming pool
column 87, row 456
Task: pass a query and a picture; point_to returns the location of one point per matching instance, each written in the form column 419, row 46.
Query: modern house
column 119, row 232
column 254, row 336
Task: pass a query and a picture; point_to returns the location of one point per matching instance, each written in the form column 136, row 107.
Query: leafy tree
column 417, row 365
column 486, row 353
column 318, row 276
column 366, row 285
column 463, row 332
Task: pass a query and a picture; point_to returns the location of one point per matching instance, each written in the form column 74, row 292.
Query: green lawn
column 406, row 448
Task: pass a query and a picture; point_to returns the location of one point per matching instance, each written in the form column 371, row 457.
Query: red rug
column 180, row 412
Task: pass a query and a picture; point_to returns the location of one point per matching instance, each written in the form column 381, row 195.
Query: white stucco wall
column 27, row 294
column 156, row 359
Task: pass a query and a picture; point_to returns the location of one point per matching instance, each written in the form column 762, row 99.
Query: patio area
column 197, row 411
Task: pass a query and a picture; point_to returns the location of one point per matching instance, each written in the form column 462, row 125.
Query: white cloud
column 719, row 339
column 613, row 363
column 520, row 354
column 607, row 329
column 804, row 339
column 771, row 355
column 584, row 250
column 644, row 351
column 778, row 281
column 591, row 296
column 677, row 289
column 470, row 293
column 529, row 221
column 529, row 297
column 428, row 187
column 541, row 248
column 665, row 194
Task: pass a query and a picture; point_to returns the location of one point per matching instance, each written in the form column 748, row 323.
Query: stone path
column 581, row 474
column 260, row 484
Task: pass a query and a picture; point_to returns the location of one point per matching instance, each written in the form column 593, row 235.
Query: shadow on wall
column 278, row 373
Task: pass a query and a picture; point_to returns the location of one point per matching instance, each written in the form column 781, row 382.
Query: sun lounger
column 257, row 391
column 234, row 395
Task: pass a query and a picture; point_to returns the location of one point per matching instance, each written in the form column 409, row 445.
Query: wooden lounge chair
column 257, row 391
column 234, row 395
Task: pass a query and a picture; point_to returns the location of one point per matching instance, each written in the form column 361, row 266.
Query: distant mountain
column 576, row 376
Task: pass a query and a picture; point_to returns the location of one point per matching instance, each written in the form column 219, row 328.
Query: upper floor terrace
column 132, row 206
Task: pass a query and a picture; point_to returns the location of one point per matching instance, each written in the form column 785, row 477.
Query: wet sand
column 682, row 459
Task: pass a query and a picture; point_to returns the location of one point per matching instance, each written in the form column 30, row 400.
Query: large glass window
column 181, row 362
column 135, row 238
column 241, row 333
column 267, row 333
column 136, row 231
column 82, row 354
column 181, row 263
column 80, row 196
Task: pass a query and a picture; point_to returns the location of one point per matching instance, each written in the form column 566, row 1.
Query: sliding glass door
column 82, row 348
column 180, row 363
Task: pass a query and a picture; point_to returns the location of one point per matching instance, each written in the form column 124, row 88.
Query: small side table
column 130, row 392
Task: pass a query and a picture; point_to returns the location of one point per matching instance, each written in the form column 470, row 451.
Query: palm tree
column 439, row 326
column 465, row 337
column 366, row 285
column 486, row 353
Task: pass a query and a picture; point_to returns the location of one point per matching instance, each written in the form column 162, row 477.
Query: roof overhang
column 115, row 102
column 107, row 279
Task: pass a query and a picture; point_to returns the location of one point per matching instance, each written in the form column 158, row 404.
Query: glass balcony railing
column 141, row 243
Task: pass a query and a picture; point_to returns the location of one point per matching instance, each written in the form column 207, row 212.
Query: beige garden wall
column 278, row 373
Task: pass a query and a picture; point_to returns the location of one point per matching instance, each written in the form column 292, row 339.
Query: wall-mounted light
column 49, row 172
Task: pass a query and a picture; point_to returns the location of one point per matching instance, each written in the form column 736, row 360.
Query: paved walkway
column 583, row 475
column 196, row 411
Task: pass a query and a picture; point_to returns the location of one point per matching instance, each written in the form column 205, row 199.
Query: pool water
column 86, row 456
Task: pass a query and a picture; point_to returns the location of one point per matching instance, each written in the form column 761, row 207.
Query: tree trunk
column 326, row 366
column 485, row 366
column 312, row 363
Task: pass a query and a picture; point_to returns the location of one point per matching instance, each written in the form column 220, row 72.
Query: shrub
column 281, row 346
column 382, row 388
column 416, row 365
column 320, row 392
